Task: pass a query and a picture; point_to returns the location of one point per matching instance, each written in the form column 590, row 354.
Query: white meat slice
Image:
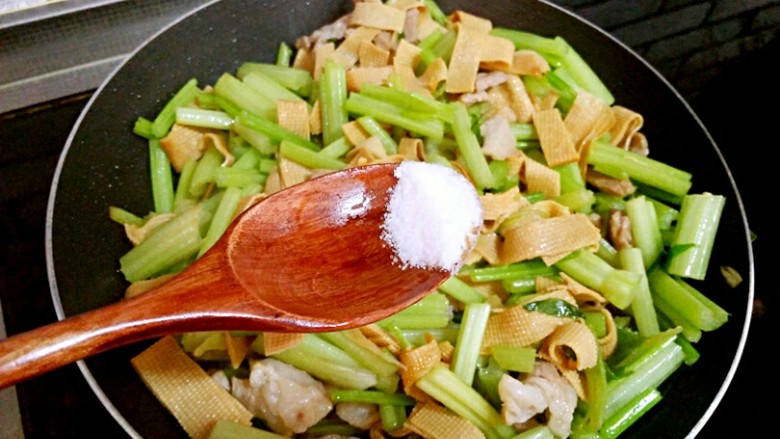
column 358, row 415
column 520, row 402
column 288, row 399
column 498, row 140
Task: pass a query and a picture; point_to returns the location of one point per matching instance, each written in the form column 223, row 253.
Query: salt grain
column 433, row 217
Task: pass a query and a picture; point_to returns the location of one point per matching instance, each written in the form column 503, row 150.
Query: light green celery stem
column 584, row 75
column 433, row 311
column 244, row 97
column 605, row 203
column 565, row 86
column 417, row 123
column 250, row 159
column 374, row 129
column 690, row 303
column 628, row 415
column 469, row 148
column 691, row 354
column 371, row 397
column 237, row 177
column 122, row 216
column 161, row 177
column 393, row 416
column 143, row 128
column 646, row 352
column 608, row 253
column 642, row 307
column 486, row 381
column 644, row 229
column 307, row 157
column 274, row 131
column 298, row 80
column 222, row 218
column 531, row 268
column 333, row 97
column 170, row 243
column 596, row 379
column 336, row 149
column 316, row 347
column 444, row 386
column 538, row 432
column 327, row 427
column 182, row 194
column 514, row 358
column 469, row 343
column 343, row 376
column 442, row 48
column 258, row 140
column 596, row 322
column 524, row 131
column 204, row 172
column 578, row 200
column 206, row 100
column 409, row 101
column 426, row 50
column 668, row 311
column 640, row 168
column 550, row 48
column 369, row 359
column 417, row 336
column 436, row 13
column 398, row 334
column 269, row 88
column 198, row 117
column 520, row 286
column 224, row 429
column 167, row 116
column 228, row 107
column 267, row 165
column 697, row 224
column 667, row 215
column 650, row 375
column 618, row 286
column 461, row 291
column 284, row 55
column 571, row 177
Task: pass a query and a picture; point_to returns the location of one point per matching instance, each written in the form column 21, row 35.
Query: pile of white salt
column 433, row 217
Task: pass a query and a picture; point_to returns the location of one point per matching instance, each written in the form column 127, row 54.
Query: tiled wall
column 688, row 41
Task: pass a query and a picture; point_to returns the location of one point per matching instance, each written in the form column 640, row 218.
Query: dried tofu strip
column 137, row 234
column 572, row 337
column 276, row 342
column 237, row 347
column 554, row 137
column 416, row 363
column 551, row 237
column 434, row 74
column 381, row 338
column 142, row 286
column 575, row 379
column 220, row 142
column 524, row 62
column 588, row 119
column 182, row 386
column 378, row 16
column 518, row 327
column 412, row 149
column 348, row 51
column 315, row 118
column 627, row 123
column 182, row 144
column 367, row 152
column 432, row 421
column 304, row 60
column 407, row 56
column 540, row 178
column 608, row 343
column 447, row 351
column 357, row 76
column 321, row 54
column 496, row 207
column 472, row 47
column 273, row 183
column 294, row 115
column 354, row 132
column 292, row 173
column 370, row 55
column 583, row 294
column 473, row 22
column 519, row 100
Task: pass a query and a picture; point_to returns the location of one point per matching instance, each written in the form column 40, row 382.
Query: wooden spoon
column 310, row 258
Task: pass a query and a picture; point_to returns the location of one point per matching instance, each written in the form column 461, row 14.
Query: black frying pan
column 105, row 164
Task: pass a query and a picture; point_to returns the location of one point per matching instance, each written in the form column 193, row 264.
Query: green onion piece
column 642, row 307
column 197, row 117
column 697, row 224
column 469, row 148
column 244, row 97
column 328, row 426
column 169, row 244
column 461, row 291
column 628, row 415
column 514, row 358
column 469, row 343
column 333, row 97
column 371, row 397
column 165, row 119
column 307, row 157
column 224, row 429
column 161, row 177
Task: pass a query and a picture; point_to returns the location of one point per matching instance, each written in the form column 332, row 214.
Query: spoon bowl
column 310, row 258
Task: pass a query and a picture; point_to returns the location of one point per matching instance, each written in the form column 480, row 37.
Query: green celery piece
column 273, row 130
column 461, row 291
column 269, row 88
column 198, row 117
column 342, row 376
column 307, row 157
column 644, row 229
column 284, row 54
column 486, row 381
column 122, row 216
column 333, row 98
column 244, row 97
column 371, row 397
column 469, row 148
column 531, row 268
column 224, row 429
column 628, row 415
column 223, row 216
column 642, row 307
column 689, row 302
column 205, row 172
column 697, row 224
column 514, row 358
column 469, row 343
column 298, row 80
column 167, row 116
column 161, row 177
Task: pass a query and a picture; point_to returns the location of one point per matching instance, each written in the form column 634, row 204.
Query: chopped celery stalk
column 578, row 200
column 374, row 129
column 469, row 343
column 520, row 286
column 436, row 13
column 198, row 117
column 121, row 216
column 442, row 48
column 411, row 101
column 381, row 111
column 444, row 386
column 298, row 80
column 182, row 195
column 244, row 97
column 336, row 149
column 486, row 381
column 205, row 172
column 642, row 307
column 640, row 168
column 667, row 215
column 269, row 88
column 222, row 218
column 224, row 429
column 646, row 351
column 143, row 128
column 514, row 358
column 696, row 227
column 393, row 416
column 524, row 131
column 689, row 302
column 550, row 48
column 644, row 229
column 237, row 177
column 596, row 379
column 608, row 253
column 274, row 131
column 342, row 376
column 538, row 432
column 284, row 54
column 417, row 336
column 571, row 177
column 668, row 311
column 596, row 322
column 333, row 97
column 618, row 286
column 161, row 177
column 469, row 148
column 258, row 140
column 433, row 311
column 307, row 157
column 169, row 244
column 531, row 268
column 625, row 417
column 371, row 397
column 166, row 118
column 350, row 342
column 581, row 72
column 461, row 291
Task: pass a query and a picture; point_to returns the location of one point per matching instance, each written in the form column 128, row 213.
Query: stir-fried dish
column 577, row 301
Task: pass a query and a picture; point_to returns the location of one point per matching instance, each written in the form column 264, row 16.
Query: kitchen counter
column 61, row 404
